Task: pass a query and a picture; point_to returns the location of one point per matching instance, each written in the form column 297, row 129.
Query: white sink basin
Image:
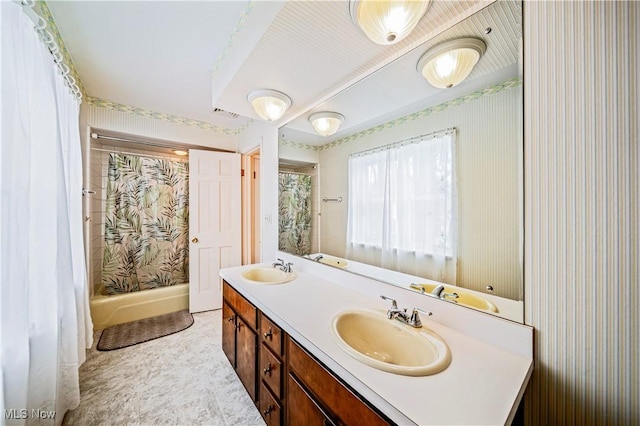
column 267, row 276
column 334, row 261
column 464, row 298
column 389, row 345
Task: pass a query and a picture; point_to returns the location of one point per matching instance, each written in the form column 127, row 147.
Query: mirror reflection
column 418, row 179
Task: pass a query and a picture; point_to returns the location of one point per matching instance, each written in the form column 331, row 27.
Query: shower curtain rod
column 296, row 173
column 183, row 147
column 160, row 156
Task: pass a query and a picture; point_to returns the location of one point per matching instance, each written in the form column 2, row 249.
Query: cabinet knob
column 268, row 410
column 194, row 240
column 231, row 318
column 267, row 370
column 268, row 334
column 238, row 326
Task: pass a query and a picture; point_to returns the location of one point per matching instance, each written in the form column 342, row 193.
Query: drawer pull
column 268, row 410
column 268, row 334
column 267, row 370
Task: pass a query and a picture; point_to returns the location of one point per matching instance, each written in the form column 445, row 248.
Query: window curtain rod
column 40, row 25
column 411, row 140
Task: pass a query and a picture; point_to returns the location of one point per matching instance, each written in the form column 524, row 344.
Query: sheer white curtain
column 46, row 324
column 402, row 208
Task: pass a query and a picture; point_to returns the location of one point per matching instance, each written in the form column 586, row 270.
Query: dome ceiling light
column 326, row 123
column 448, row 64
column 270, row 105
column 387, row 21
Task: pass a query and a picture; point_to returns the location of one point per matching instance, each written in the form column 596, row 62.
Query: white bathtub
column 108, row 310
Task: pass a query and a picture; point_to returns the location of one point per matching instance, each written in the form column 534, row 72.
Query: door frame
column 250, row 209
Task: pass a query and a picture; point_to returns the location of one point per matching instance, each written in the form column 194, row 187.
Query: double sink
column 371, row 338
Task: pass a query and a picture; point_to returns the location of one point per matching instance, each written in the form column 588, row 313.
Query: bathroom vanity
column 281, row 341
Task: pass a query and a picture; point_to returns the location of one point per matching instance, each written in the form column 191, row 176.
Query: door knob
column 194, row 240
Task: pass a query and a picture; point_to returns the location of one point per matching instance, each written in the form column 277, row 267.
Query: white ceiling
column 399, row 89
column 183, row 58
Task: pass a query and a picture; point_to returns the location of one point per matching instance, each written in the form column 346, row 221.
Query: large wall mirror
column 420, row 180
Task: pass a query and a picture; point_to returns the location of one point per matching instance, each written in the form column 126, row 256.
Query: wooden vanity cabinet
column 287, row 384
column 239, row 337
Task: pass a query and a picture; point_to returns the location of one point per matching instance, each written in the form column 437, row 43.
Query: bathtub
column 108, row 310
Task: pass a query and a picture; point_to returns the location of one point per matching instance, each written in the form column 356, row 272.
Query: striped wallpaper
column 581, row 211
column 125, row 122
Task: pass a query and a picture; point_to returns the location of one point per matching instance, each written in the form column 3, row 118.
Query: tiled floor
column 181, row 379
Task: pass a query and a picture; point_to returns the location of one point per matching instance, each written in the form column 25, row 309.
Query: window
column 402, row 200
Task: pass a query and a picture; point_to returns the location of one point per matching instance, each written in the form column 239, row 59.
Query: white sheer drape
column 45, row 315
column 401, row 212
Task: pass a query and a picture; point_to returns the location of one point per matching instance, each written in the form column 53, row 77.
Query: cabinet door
column 302, row 409
column 246, row 356
column 229, row 333
column 339, row 400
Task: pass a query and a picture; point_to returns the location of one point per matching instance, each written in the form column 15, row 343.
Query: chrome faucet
column 317, row 258
column 412, row 319
column 437, row 292
column 441, row 294
column 286, row 267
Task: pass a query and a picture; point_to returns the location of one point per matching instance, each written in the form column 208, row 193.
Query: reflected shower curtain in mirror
column 146, row 225
column 294, row 205
column 402, row 207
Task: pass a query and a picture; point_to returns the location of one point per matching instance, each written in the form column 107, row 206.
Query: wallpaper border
column 128, row 109
column 489, row 90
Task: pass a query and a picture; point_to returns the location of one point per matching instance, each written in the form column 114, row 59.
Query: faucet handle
column 415, row 286
column 415, row 318
column 394, row 304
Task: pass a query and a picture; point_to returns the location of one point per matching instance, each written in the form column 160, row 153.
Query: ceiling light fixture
column 326, row 123
column 448, row 64
column 270, row 105
column 387, row 21
column 180, row 152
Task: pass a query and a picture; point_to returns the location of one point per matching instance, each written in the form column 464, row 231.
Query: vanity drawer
column 269, row 408
column 271, row 335
column 328, row 390
column 270, row 370
column 244, row 308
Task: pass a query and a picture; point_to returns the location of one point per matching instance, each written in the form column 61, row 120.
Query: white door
column 214, row 224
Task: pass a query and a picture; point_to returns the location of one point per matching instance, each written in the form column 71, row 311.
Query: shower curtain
column 294, row 205
column 44, row 314
column 146, row 224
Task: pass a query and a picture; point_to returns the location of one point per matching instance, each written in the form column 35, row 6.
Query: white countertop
column 480, row 387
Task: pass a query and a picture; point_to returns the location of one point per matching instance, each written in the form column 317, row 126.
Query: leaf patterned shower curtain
column 294, row 205
column 146, row 225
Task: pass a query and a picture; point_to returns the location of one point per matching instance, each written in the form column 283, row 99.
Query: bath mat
column 131, row 333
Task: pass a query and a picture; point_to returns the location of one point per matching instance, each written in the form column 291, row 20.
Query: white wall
column 582, row 286
column 265, row 135
column 489, row 159
column 288, row 151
